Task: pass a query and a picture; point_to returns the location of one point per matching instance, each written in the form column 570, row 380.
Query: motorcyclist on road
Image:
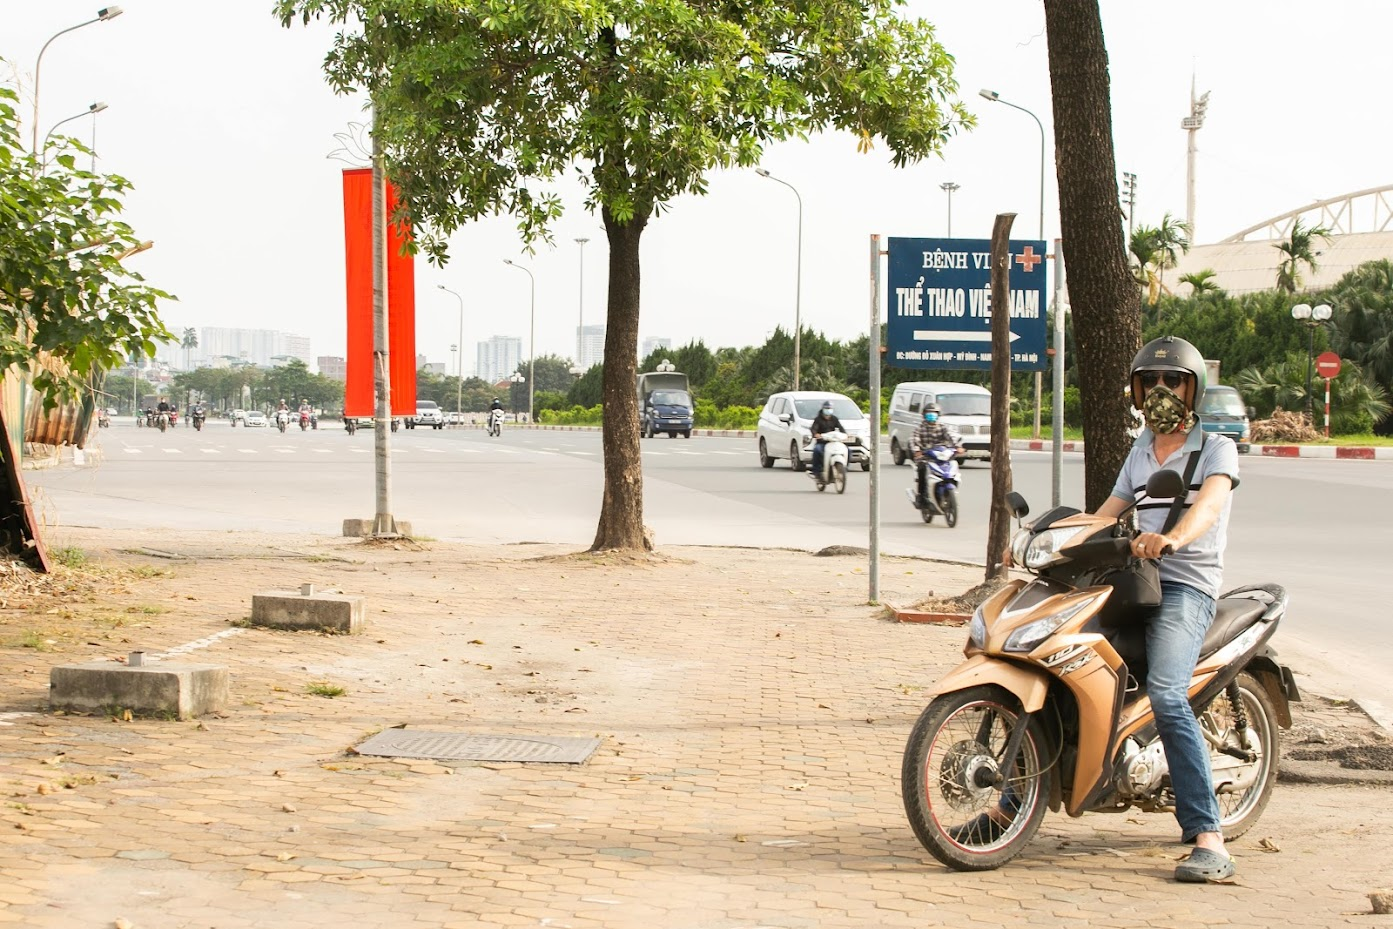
column 825, row 421
column 164, row 406
column 495, row 405
column 198, row 412
column 927, row 435
column 304, row 410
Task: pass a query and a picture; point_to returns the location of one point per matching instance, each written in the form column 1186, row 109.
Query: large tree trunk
column 1105, row 302
column 621, row 512
column 999, row 518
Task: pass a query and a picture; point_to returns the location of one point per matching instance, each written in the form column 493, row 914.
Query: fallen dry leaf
column 287, row 808
column 284, row 856
column 1268, row 845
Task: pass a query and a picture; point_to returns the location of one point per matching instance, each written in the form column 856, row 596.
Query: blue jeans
column 1174, row 633
column 817, row 456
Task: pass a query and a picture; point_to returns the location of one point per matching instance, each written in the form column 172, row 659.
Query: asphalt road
column 1316, row 526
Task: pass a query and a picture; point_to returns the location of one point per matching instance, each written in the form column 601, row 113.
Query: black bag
column 1136, row 585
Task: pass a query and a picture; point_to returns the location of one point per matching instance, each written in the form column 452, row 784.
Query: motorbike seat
column 1232, row 617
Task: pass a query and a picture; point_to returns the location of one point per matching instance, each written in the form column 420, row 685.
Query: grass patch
column 148, row 571
column 325, row 689
column 68, row 556
column 147, row 609
column 34, row 640
column 1071, row 434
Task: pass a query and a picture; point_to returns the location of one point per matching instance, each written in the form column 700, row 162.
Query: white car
column 255, row 418
column 427, row 414
column 786, row 422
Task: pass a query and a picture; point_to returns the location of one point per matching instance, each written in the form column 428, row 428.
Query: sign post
column 940, row 308
column 1327, row 366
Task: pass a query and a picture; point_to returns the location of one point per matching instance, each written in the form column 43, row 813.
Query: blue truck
column 665, row 404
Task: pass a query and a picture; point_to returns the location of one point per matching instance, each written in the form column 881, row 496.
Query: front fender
column 1028, row 685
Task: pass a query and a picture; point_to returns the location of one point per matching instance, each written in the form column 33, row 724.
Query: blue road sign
column 940, row 313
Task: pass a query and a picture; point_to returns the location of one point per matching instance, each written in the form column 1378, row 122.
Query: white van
column 966, row 408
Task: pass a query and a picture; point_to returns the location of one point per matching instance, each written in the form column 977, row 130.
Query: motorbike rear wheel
column 948, row 502
column 839, row 477
column 947, row 779
column 1239, row 809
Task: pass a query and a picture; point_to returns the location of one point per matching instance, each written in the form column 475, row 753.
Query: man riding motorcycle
column 825, row 421
column 1167, row 385
column 927, row 435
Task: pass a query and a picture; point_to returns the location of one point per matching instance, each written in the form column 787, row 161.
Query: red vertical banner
column 357, row 233
column 401, row 313
column 359, row 390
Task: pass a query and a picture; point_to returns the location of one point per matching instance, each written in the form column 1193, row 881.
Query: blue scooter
column 941, row 486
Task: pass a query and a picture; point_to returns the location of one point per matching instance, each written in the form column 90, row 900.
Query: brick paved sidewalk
column 752, row 710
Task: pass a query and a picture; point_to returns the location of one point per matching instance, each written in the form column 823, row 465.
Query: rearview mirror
column 1165, row 484
column 1019, row 508
column 786, row 418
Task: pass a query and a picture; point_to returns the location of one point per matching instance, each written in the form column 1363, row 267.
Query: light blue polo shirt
column 1201, row 563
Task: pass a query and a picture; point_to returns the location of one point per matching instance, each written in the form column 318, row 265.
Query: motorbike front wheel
column 949, row 779
column 839, row 477
column 162, row 425
column 948, row 503
column 1243, row 787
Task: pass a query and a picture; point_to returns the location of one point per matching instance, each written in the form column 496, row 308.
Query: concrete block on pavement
column 362, row 528
column 284, row 609
column 182, row 690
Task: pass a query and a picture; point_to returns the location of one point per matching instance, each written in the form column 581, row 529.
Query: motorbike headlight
column 1044, row 549
column 1018, row 543
column 977, row 629
column 1030, row 635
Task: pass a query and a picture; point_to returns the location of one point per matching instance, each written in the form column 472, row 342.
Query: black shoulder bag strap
column 1179, row 503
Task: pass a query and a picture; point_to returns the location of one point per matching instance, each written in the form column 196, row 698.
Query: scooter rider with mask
column 1167, row 385
column 927, row 435
column 825, row 421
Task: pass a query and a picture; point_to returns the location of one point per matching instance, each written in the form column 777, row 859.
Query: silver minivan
column 965, row 408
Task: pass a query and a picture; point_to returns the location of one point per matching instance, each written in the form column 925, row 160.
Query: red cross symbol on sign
column 1028, row 259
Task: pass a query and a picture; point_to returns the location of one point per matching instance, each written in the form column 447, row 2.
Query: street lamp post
column 516, row 378
column 1312, row 317
column 580, row 302
column 995, row 97
column 92, row 110
column 949, row 187
column 531, row 339
column 459, row 364
column 798, row 284
column 104, row 14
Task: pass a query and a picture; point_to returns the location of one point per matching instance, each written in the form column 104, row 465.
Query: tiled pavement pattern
column 752, row 708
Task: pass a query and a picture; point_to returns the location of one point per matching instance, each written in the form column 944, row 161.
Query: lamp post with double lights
column 103, row 15
column 459, row 364
column 798, row 283
column 531, row 338
column 948, row 187
column 516, row 378
column 1311, row 316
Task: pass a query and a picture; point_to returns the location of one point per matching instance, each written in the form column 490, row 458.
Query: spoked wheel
column 839, row 477
column 1243, row 787
column 948, row 502
column 794, row 460
column 961, row 810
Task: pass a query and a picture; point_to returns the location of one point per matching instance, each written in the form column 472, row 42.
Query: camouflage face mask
column 1164, row 410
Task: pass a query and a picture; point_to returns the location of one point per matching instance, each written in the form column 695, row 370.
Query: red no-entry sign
column 1327, row 364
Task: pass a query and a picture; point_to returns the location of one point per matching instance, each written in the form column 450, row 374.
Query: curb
column 41, row 457
column 1348, row 452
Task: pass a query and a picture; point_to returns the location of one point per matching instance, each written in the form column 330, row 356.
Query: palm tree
column 1299, row 250
column 1142, row 249
column 1201, row 282
column 189, row 341
column 1156, row 248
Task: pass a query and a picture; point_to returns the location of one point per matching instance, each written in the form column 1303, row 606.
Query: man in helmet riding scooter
column 825, row 421
column 929, row 434
column 1167, row 384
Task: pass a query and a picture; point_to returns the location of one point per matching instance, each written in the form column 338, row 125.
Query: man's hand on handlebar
column 1152, row 545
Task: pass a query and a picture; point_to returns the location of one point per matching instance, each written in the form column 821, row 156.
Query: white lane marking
column 284, row 451
column 174, row 451
column 324, row 451
column 359, row 451
column 204, row 642
column 247, row 451
column 133, row 451
column 211, row 451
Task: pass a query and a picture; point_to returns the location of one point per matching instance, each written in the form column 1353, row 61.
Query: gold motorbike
column 1050, row 710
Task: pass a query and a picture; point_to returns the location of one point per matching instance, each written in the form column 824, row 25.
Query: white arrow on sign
column 954, row 335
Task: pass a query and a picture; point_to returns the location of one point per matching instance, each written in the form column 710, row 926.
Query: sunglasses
column 1172, row 379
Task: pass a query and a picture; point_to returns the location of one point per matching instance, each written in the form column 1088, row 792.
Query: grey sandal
column 1204, row 865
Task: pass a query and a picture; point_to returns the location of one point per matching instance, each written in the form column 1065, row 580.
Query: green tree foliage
column 1201, row 282
column 479, row 103
column 1298, row 249
column 1363, row 332
column 553, row 373
column 63, row 288
column 1154, row 250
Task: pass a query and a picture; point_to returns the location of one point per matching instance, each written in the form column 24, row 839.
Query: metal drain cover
column 463, row 746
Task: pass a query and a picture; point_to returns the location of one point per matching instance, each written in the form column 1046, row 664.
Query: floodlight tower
column 1192, row 124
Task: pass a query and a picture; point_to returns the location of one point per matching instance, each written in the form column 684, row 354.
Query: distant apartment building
column 652, row 344
column 332, row 366
column 249, row 346
column 592, row 345
column 498, row 357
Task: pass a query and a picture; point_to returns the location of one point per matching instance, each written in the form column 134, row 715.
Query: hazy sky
column 223, row 121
